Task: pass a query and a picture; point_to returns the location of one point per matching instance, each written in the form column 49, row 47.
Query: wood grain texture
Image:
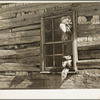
column 80, row 44
column 30, row 7
column 19, row 34
column 88, row 27
column 19, row 40
column 87, row 8
column 9, row 23
column 82, row 55
column 89, row 47
column 20, row 46
column 18, row 67
column 87, row 64
column 30, row 27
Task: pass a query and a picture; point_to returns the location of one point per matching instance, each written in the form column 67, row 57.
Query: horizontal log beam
column 30, row 27
column 85, row 27
column 82, row 55
column 91, row 32
column 20, row 46
column 30, row 7
column 82, row 43
column 90, row 47
column 83, row 64
column 18, row 67
column 7, row 16
column 86, row 8
column 23, row 60
column 31, row 51
column 7, row 35
column 8, row 23
column 20, row 40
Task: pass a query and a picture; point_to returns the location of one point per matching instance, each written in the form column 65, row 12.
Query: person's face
column 68, row 63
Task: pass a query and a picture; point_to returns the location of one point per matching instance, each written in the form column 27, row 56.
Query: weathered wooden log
column 87, row 64
column 19, row 34
column 12, row 60
column 93, row 11
column 83, row 43
column 97, row 54
column 7, row 16
column 8, row 23
column 89, row 54
column 29, row 60
column 86, row 8
column 90, row 47
column 85, row 4
column 30, row 27
column 20, row 46
column 88, row 27
column 91, row 32
column 4, row 78
column 20, row 40
column 5, row 31
column 82, row 55
column 33, row 51
column 30, row 7
column 22, row 60
column 18, row 67
column 58, row 12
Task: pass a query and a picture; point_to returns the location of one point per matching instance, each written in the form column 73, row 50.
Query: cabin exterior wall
column 20, row 29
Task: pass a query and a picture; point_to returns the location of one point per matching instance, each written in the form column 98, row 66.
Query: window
column 53, row 47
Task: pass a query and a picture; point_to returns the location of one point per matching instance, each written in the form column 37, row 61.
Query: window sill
column 48, row 72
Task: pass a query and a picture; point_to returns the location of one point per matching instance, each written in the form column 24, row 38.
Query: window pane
column 66, row 36
column 57, row 22
column 48, row 24
column 49, row 49
column 49, row 61
column 48, row 36
column 58, row 61
column 58, row 48
column 69, row 36
column 68, row 48
column 57, row 35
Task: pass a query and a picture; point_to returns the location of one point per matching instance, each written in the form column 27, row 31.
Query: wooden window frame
column 74, row 42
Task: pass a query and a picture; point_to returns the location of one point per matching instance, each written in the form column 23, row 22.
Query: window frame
column 74, row 40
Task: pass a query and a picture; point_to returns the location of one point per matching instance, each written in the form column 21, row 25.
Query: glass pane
column 48, row 24
column 49, row 61
column 57, row 35
column 69, row 36
column 58, row 61
column 66, row 36
column 48, row 36
column 58, row 48
column 68, row 48
column 49, row 49
column 57, row 22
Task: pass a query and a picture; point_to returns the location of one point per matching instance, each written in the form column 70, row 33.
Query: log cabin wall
column 20, row 25
column 88, row 31
column 20, row 36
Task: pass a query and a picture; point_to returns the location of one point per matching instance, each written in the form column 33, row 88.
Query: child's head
column 66, row 20
column 66, row 61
